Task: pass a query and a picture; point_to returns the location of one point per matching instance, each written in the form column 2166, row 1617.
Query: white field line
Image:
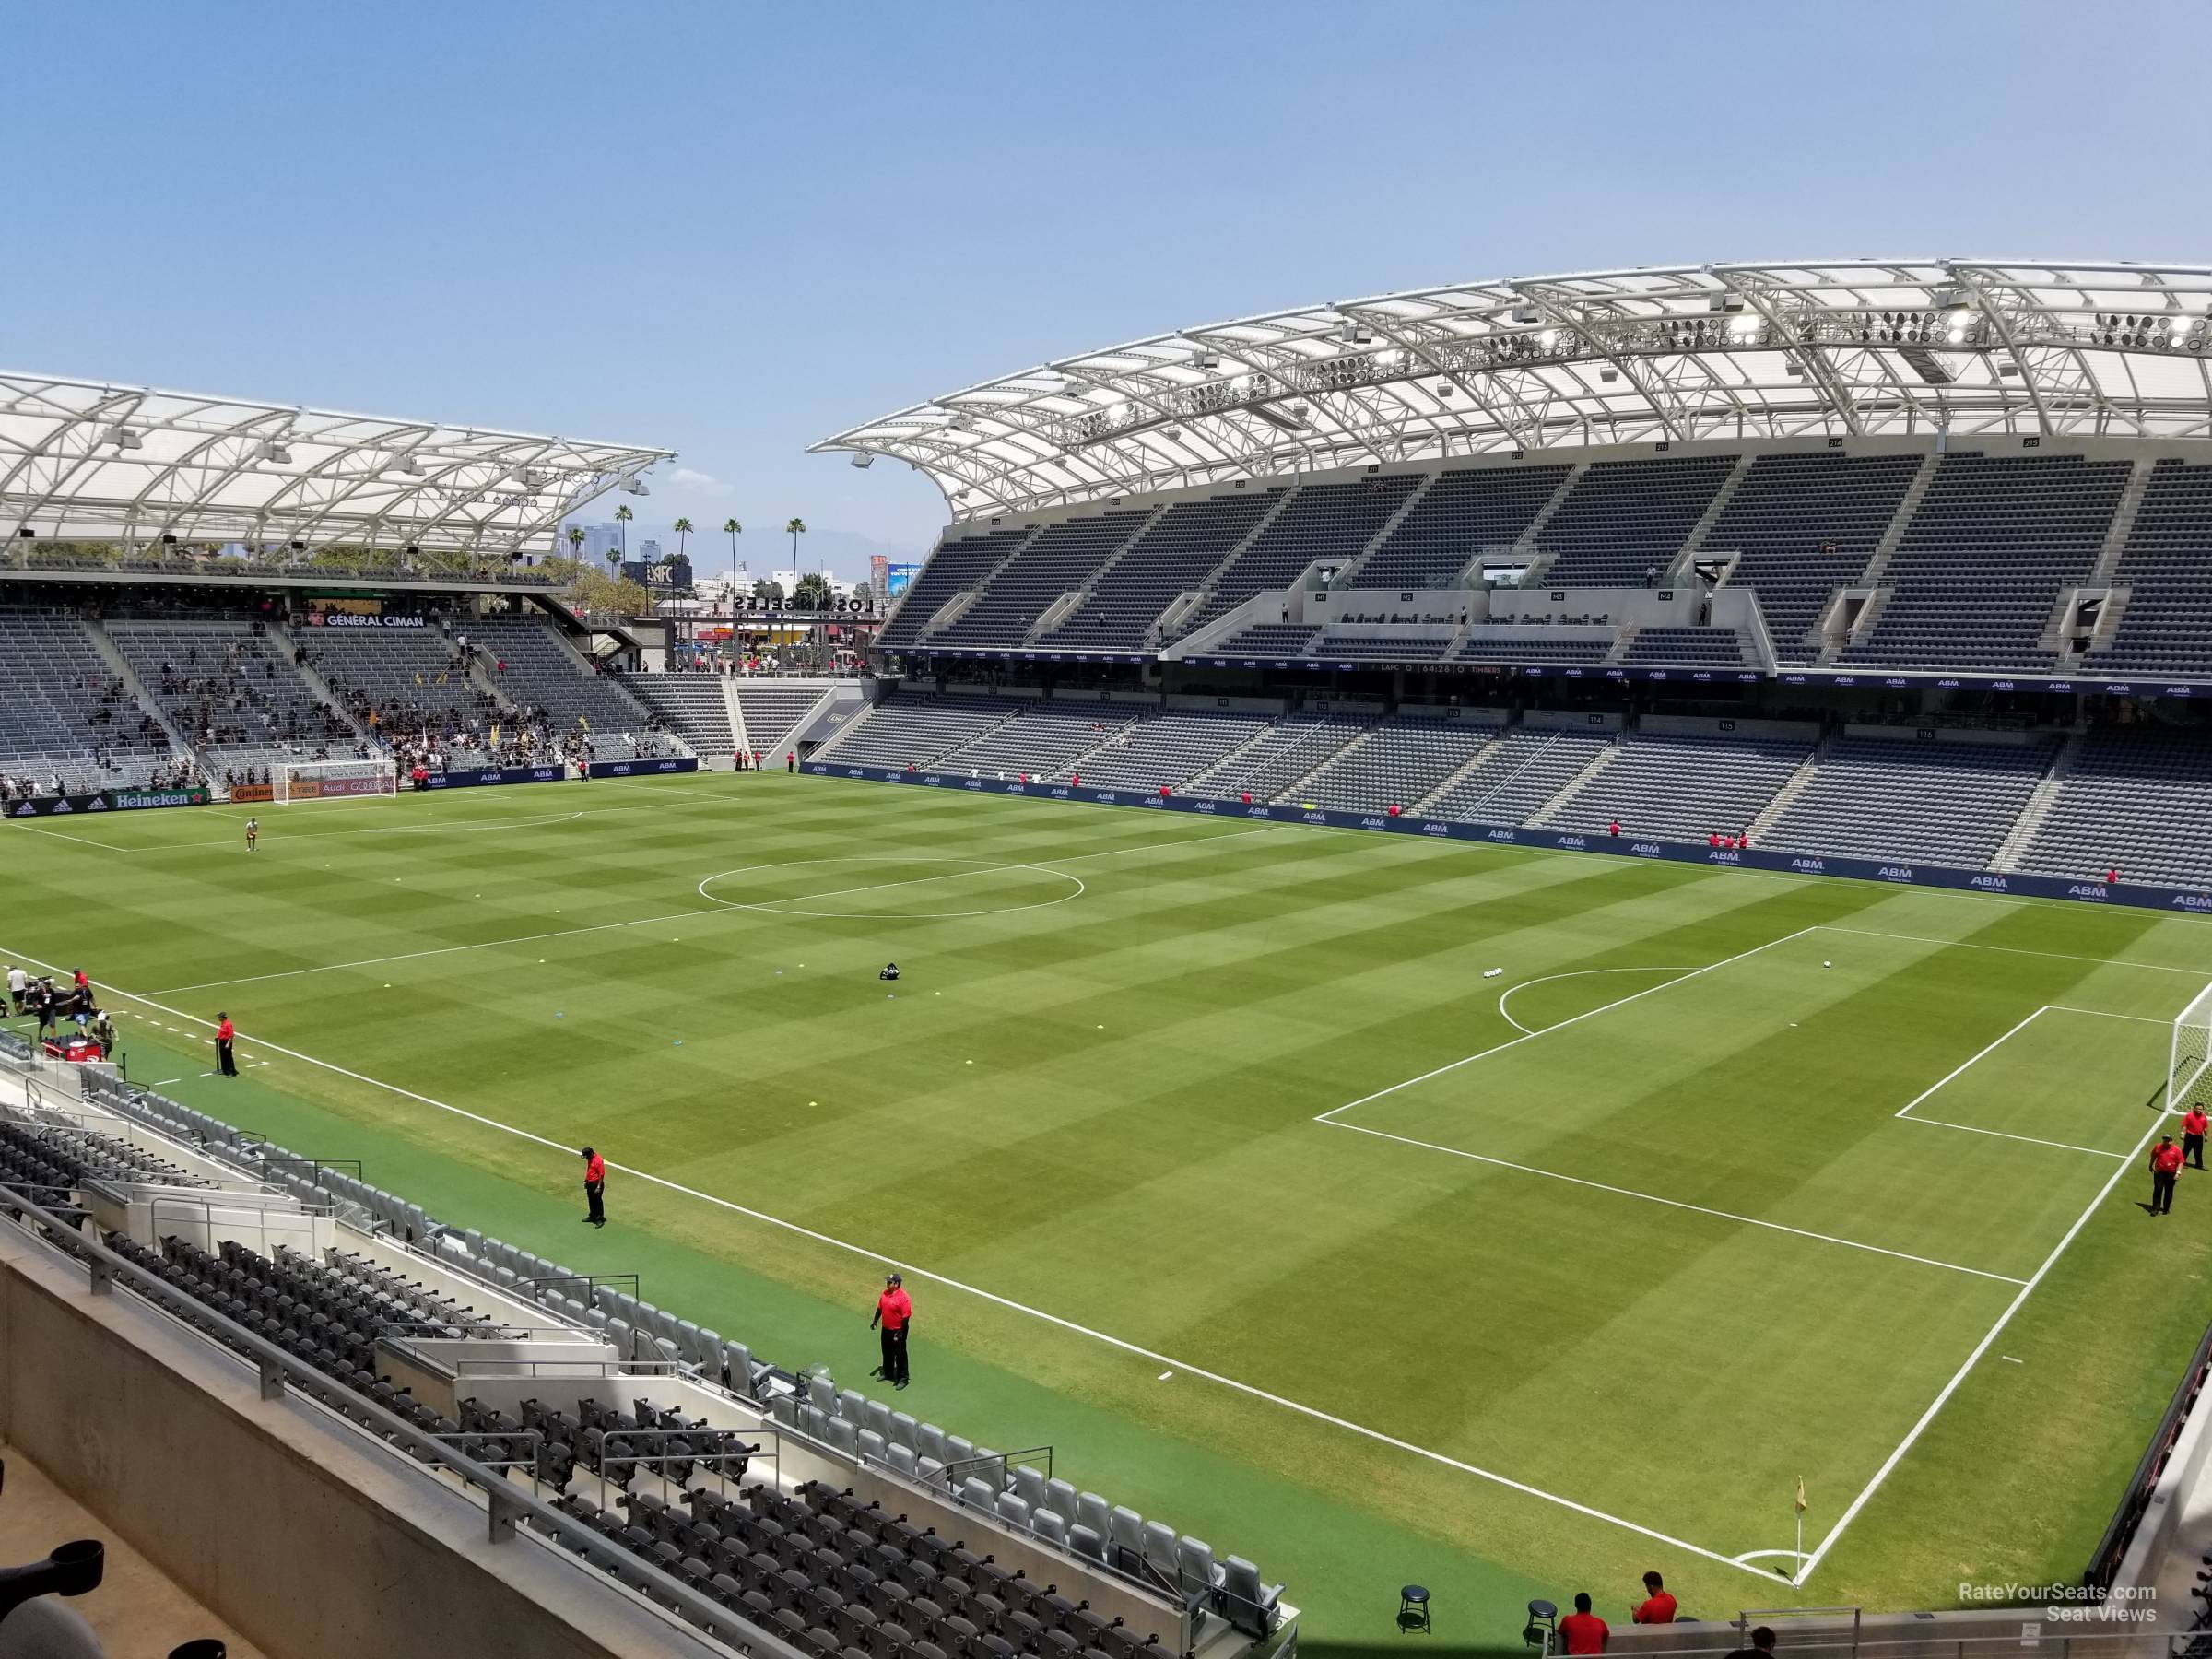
column 715, row 908
column 1499, row 1048
column 1573, row 974
column 1956, row 1070
column 2198, row 974
column 1620, row 1191
column 912, row 1269
column 80, row 841
column 2004, row 1319
column 2004, row 1134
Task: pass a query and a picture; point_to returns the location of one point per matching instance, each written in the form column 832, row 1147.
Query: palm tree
column 796, row 528
column 622, row 517
column 682, row 528
column 575, row 541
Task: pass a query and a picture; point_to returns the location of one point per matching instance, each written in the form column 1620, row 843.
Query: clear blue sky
column 733, row 230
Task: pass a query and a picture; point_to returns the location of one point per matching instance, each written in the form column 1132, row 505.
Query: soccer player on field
column 252, row 833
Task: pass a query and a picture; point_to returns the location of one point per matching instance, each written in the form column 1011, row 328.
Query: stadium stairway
column 1460, row 773
column 120, row 666
column 2033, row 816
column 317, row 684
column 1580, row 781
column 1796, row 784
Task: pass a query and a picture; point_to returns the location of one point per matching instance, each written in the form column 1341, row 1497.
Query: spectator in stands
column 1762, row 1645
column 894, row 1315
column 1584, row 1630
column 1613, row 829
column 1657, row 1606
column 595, row 1187
column 2193, row 1124
column 2165, row 1164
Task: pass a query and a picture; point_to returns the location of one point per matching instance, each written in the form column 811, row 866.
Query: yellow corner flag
column 585, row 723
column 1800, row 1494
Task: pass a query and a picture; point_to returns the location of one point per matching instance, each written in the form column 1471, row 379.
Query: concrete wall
column 288, row 1523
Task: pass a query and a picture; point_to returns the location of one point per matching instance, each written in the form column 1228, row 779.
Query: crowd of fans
column 233, row 700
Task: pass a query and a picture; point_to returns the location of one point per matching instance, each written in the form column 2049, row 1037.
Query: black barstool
column 1413, row 1610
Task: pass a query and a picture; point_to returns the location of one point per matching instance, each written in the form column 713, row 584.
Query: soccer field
column 1216, row 1162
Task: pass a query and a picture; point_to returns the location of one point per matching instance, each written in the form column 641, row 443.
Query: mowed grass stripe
column 1336, row 960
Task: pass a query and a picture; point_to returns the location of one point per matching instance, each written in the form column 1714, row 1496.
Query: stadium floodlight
column 2188, row 1080
column 122, row 436
column 633, row 485
column 862, row 461
column 274, row 453
column 405, row 464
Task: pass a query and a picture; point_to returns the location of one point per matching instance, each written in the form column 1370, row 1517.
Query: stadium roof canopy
column 1851, row 347
column 80, row 460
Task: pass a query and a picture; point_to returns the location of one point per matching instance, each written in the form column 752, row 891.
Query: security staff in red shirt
column 894, row 1314
column 595, row 1186
column 1657, row 1606
column 2193, row 1124
column 2165, row 1164
column 1584, row 1630
column 226, row 1034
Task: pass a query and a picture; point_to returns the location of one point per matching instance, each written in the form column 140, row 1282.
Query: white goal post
column 333, row 780
column 2188, row 1082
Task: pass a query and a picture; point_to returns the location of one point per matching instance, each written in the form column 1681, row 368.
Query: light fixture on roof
column 274, row 453
column 1172, row 433
column 1961, row 321
column 862, row 460
column 122, row 436
column 633, row 485
column 1608, row 374
column 1445, row 388
column 962, row 422
column 406, row 465
column 1207, row 357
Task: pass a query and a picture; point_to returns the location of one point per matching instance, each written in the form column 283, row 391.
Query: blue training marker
column 557, row 1013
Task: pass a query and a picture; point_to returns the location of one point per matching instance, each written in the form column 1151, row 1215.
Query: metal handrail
column 507, row 1505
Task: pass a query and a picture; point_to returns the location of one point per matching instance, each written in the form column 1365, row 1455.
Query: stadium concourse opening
column 1493, row 889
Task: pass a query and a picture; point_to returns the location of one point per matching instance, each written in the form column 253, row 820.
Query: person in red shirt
column 595, row 1187
column 2165, row 1164
column 2193, row 1124
column 1613, row 828
column 791, row 761
column 1584, row 1630
column 1657, row 1606
column 894, row 1314
column 226, row 1034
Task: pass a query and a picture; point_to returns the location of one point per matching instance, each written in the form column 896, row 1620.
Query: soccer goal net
column 328, row 780
column 2188, row 1082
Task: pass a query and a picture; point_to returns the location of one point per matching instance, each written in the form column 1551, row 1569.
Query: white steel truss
column 81, row 460
column 1850, row 349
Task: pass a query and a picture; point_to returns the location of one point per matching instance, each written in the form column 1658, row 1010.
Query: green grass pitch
column 1219, row 1164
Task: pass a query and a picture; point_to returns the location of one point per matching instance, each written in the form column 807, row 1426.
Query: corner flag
column 1800, row 1494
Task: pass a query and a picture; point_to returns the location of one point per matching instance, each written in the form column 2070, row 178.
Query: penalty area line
column 1282, row 1402
column 1982, row 1348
